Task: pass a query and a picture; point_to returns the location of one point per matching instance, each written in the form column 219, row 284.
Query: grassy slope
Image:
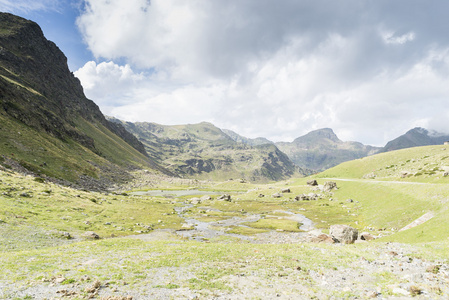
column 46, row 155
column 392, row 199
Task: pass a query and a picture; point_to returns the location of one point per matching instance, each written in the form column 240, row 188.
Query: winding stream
column 201, row 231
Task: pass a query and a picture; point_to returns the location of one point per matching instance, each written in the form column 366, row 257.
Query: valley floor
column 250, row 246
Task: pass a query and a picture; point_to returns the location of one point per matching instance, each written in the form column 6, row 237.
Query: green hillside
column 420, row 164
column 48, row 126
column 396, row 188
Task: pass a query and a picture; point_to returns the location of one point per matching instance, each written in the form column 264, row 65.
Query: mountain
column 416, row 137
column 321, row 149
column 205, row 151
column 48, row 126
column 241, row 139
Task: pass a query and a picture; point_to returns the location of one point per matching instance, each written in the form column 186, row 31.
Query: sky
column 369, row 69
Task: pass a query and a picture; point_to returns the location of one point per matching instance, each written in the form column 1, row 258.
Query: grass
column 35, row 214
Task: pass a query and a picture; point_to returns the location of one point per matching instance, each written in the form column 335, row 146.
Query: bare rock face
column 344, row 234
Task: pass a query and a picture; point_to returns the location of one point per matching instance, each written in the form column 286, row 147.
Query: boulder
column 302, row 198
column 206, row 198
column 195, row 200
column 313, row 196
column 312, row 182
column 225, row 197
column 287, row 190
column 329, row 186
column 276, row 195
column 365, row 236
column 91, row 235
column 344, row 234
column 261, row 195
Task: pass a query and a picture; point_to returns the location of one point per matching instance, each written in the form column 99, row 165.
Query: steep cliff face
column 38, row 91
column 37, row 65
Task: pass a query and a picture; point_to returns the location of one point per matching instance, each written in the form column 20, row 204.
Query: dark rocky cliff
column 51, row 97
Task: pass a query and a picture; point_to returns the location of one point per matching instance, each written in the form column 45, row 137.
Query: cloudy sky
column 370, row 70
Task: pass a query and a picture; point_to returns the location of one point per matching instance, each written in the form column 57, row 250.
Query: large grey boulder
column 344, row 234
column 329, row 186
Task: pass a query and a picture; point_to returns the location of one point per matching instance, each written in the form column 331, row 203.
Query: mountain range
column 205, row 151
column 50, row 129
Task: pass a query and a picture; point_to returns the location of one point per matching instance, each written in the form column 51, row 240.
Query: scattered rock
column 349, row 200
column 225, row 197
column 322, row 238
column 302, row 198
column 329, row 186
column 261, row 195
column 414, row 290
column 25, row 195
column 313, row 196
column 93, row 289
column 117, row 298
column 344, row 234
column 206, row 198
column 195, row 200
column 276, row 195
column 365, row 236
column 433, row 269
column 91, row 235
column 312, row 182
column 59, row 279
column 372, row 294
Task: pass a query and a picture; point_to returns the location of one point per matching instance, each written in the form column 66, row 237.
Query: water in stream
column 202, row 231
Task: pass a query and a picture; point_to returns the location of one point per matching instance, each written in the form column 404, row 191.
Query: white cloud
column 390, row 37
column 268, row 68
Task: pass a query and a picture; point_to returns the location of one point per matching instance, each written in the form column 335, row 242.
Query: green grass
column 35, row 215
column 423, row 164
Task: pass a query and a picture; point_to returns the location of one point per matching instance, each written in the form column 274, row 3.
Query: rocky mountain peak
column 415, row 137
column 318, row 136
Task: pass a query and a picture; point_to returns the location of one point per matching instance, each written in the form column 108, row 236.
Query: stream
column 203, row 231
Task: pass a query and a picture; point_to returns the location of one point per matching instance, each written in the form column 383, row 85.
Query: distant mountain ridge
column 205, row 151
column 416, row 137
column 248, row 141
column 322, row 149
